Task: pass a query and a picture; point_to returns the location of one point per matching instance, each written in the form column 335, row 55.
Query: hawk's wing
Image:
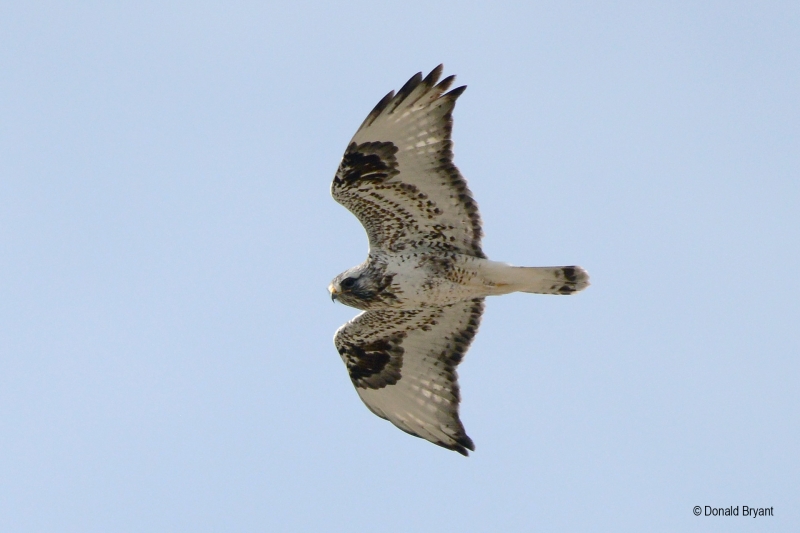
column 403, row 365
column 397, row 175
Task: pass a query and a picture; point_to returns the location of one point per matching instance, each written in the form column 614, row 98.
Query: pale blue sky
column 167, row 237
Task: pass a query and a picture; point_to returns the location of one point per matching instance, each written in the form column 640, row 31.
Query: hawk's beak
column 334, row 292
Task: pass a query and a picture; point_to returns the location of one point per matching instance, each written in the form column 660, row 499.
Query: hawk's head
column 363, row 287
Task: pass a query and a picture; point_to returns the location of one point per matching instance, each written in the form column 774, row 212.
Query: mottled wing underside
column 397, row 174
column 403, row 365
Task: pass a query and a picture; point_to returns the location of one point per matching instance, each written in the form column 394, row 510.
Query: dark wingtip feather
column 455, row 93
column 392, row 101
column 378, row 109
column 433, row 76
column 406, row 89
column 445, row 84
column 462, row 444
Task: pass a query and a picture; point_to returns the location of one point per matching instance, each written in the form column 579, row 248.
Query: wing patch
column 376, row 364
column 371, row 161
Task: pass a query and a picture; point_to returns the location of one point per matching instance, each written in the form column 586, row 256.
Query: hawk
column 423, row 285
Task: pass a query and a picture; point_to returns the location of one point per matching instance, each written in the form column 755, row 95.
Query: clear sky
column 167, row 237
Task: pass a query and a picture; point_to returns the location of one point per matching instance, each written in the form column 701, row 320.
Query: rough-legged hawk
column 425, row 278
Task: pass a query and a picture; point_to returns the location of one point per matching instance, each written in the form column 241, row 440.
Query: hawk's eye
column 348, row 283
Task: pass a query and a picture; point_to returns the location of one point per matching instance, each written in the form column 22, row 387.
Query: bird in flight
column 423, row 284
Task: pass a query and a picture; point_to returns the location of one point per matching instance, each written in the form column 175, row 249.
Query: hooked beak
column 334, row 292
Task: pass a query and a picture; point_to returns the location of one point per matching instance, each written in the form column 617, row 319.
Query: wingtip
column 378, row 109
column 464, row 449
column 455, row 93
column 462, row 444
column 393, row 99
column 409, row 86
column 433, row 75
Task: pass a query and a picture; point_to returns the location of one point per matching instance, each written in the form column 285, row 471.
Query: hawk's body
column 424, row 278
column 423, row 283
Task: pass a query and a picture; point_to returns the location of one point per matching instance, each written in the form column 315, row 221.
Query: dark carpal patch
column 372, row 161
column 376, row 364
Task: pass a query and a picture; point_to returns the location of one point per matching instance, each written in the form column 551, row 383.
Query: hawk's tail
column 545, row 280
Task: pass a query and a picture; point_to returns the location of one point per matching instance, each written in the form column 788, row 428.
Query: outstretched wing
column 403, row 365
column 397, row 175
